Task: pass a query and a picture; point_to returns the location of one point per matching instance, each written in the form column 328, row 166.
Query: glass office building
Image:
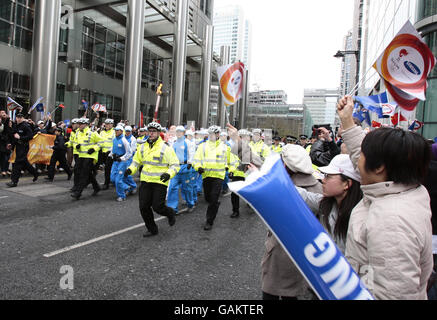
column 92, row 55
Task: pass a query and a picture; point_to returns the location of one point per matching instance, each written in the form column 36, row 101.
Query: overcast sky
column 294, row 41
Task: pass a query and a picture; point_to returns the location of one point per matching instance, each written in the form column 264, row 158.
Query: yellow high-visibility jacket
column 214, row 158
column 260, row 148
column 72, row 142
column 235, row 165
column 156, row 160
column 87, row 140
column 108, row 137
column 277, row 149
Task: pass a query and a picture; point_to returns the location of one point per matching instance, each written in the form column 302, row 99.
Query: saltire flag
column 299, row 232
column 416, row 125
column 85, row 104
column 361, row 114
column 13, row 105
column 405, row 65
column 398, row 117
column 40, row 99
column 40, row 107
column 231, row 79
column 373, row 103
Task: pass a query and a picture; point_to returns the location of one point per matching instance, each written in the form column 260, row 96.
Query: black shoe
column 96, row 192
column 235, row 215
column 48, row 179
column 35, row 177
column 207, row 227
column 11, row 185
column 75, row 195
column 149, row 234
column 172, row 219
column 105, row 187
column 69, row 176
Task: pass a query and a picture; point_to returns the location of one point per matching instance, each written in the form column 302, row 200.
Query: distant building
column 322, row 104
column 231, row 29
column 273, row 97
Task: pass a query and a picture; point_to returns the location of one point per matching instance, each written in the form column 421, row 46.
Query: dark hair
column 353, row 196
column 405, row 155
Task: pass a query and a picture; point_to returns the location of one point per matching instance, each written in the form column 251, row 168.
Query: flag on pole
column 40, row 107
column 85, row 104
column 405, row 65
column 231, row 79
column 141, row 124
column 98, row 108
column 373, row 103
column 398, row 117
column 61, row 106
column 36, row 104
column 416, row 125
column 376, row 124
column 13, row 105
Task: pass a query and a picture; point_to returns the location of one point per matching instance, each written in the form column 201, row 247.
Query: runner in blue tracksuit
column 122, row 154
column 133, row 146
column 183, row 178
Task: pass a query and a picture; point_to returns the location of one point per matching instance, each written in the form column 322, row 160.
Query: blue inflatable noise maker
column 272, row 194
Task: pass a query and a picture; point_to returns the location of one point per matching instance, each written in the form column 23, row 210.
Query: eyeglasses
column 330, row 176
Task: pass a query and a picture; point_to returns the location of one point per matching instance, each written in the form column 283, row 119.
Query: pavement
column 97, row 243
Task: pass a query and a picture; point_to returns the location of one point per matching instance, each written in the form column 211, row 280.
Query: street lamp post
column 343, row 54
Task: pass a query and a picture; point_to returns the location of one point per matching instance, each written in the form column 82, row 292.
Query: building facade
column 92, row 55
column 271, row 97
column 322, row 104
column 233, row 30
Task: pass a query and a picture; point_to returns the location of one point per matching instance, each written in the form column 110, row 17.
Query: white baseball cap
column 128, row 128
column 180, row 129
column 342, row 164
column 119, row 128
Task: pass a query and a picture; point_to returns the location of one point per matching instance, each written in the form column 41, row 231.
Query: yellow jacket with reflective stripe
column 72, row 142
column 156, row 161
column 260, row 148
column 277, row 149
column 235, row 164
column 87, row 140
column 308, row 149
column 108, row 137
column 214, row 158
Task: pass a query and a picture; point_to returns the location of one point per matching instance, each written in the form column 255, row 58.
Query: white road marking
column 4, row 197
column 82, row 244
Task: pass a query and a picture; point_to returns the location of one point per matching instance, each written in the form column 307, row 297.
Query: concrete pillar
column 179, row 62
column 244, row 102
column 133, row 60
column 225, row 55
column 45, row 54
column 206, row 73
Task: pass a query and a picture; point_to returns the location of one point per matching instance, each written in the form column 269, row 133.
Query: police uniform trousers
column 18, row 166
column 76, row 173
column 212, row 188
column 235, row 199
column 152, row 196
column 108, row 161
column 87, row 174
column 58, row 157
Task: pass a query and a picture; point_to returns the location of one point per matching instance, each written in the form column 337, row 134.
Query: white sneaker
column 119, row 199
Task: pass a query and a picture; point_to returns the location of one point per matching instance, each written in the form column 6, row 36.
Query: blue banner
column 302, row 236
column 373, row 103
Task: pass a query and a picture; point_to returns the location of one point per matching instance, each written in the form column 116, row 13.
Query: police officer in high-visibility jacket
column 108, row 135
column 87, row 144
column 237, row 174
column 183, row 179
column 75, row 123
column 276, row 147
column 212, row 159
column 160, row 164
column 258, row 146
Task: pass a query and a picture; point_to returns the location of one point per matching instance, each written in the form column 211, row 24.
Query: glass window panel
column 5, row 81
column 26, row 39
column 117, row 104
column 111, row 38
column 99, row 48
column 110, row 54
column 99, row 65
column 5, row 32
column 5, row 9
column 110, row 69
column 17, row 40
column 120, row 42
column 87, row 43
column 120, row 57
column 87, row 61
column 100, row 32
column 88, row 26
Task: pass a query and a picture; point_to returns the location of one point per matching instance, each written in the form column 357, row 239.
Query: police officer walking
column 106, row 145
column 160, row 164
column 258, row 146
column 87, row 144
column 59, row 152
column 22, row 134
column 212, row 159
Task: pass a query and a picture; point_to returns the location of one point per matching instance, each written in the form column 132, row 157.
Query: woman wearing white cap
column 341, row 193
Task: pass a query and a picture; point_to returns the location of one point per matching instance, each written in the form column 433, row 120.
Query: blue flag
column 373, row 103
column 40, row 107
column 300, row 233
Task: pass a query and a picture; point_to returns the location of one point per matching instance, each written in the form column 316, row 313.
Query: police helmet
column 214, row 129
column 109, row 121
column 154, row 125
